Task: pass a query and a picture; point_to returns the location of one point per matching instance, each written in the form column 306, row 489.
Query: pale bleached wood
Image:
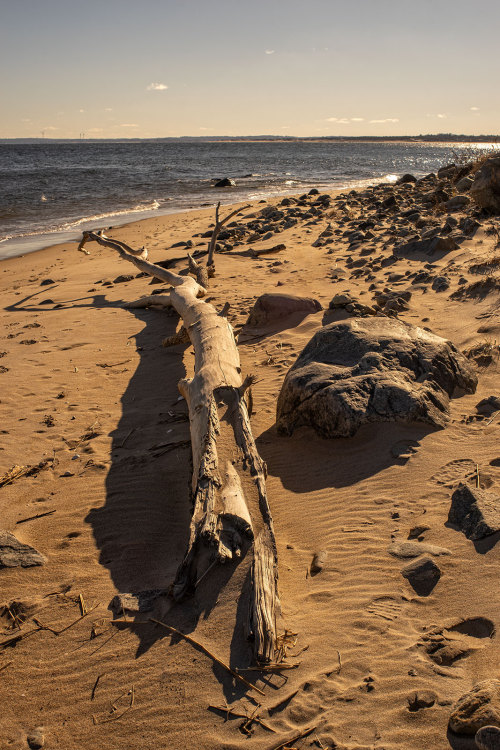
column 231, row 512
column 219, row 223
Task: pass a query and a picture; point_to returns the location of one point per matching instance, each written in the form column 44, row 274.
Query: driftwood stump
column 231, row 513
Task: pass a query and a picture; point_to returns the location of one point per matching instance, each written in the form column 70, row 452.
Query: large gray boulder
column 372, row 370
column 476, row 512
column 485, row 190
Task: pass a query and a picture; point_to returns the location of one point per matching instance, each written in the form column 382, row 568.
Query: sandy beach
column 88, row 390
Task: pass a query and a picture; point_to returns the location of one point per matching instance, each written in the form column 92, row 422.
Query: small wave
column 153, row 206
column 391, row 177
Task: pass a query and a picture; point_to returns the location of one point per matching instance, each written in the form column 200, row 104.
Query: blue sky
column 117, row 68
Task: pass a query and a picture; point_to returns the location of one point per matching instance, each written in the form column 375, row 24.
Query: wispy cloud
column 474, row 109
column 156, row 87
column 269, row 52
column 202, row 128
column 95, row 130
column 49, row 127
column 357, row 119
column 338, row 120
column 387, row 119
column 129, row 125
column 441, row 116
column 108, row 109
column 81, row 110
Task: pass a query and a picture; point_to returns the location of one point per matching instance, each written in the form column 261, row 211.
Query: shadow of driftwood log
column 141, row 530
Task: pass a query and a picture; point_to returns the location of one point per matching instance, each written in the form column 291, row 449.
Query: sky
column 151, row 68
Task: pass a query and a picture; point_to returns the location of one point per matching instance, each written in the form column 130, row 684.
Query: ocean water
column 50, row 192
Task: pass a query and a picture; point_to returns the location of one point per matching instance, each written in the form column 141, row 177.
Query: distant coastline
column 432, row 138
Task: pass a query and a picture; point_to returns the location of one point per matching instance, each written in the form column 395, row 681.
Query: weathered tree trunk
column 231, row 512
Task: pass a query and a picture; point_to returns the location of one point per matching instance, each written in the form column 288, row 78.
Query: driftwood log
column 231, row 513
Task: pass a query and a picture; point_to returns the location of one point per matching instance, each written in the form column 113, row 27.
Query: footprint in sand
column 387, row 607
column 456, row 471
column 447, row 645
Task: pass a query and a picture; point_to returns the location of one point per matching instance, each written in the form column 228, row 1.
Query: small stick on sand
column 92, row 694
column 63, row 630
column 19, row 637
column 38, row 515
column 477, row 476
column 122, row 444
column 208, row 653
column 294, row 739
column 5, row 666
column 83, row 608
column 340, row 662
column 249, row 719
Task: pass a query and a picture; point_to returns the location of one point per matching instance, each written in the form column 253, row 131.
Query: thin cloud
column 357, row 119
column 442, row 117
column 156, row 87
column 387, row 119
column 474, row 109
column 338, row 120
column 269, row 52
column 108, row 109
column 49, row 127
column 129, row 125
column 81, row 110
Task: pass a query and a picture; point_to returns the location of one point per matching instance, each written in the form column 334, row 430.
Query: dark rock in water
column 480, row 707
column 371, row 370
column 14, row 554
column 422, row 574
column 476, row 512
column 225, row 182
column 271, row 307
column 485, row 190
column 488, row 738
column 406, row 178
column 428, row 246
column 419, row 699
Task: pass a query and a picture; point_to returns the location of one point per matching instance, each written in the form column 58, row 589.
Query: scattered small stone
column 318, row 562
column 47, row 282
column 36, row 739
column 14, row 554
column 141, row 601
column 475, row 511
column 415, row 549
column 422, row 574
column 488, row 738
column 417, row 531
column 480, row 707
column 419, row 699
column 123, row 277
